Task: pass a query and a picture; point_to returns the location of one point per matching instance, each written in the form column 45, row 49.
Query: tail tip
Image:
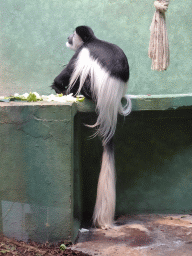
column 126, row 109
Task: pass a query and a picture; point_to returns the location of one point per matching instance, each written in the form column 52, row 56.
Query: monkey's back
column 110, row 57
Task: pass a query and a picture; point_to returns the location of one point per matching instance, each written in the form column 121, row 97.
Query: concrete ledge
column 139, row 103
column 161, row 102
column 148, row 102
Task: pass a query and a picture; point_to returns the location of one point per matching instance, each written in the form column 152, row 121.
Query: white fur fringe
column 107, row 92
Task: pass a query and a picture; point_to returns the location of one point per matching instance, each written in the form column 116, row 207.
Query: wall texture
column 153, row 162
column 37, row 172
column 33, row 36
column 49, row 167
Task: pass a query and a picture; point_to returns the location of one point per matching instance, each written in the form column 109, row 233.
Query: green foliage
column 32, row 97
column 63, row 247
column 25, row 97
column 80, row 99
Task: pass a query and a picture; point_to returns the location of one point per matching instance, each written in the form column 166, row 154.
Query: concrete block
column 36, row 171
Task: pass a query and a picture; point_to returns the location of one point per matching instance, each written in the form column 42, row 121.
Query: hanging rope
column 159, row 44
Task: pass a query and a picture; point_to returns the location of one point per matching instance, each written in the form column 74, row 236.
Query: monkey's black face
column 69, row 42
column 70, row 39
column 59, row 88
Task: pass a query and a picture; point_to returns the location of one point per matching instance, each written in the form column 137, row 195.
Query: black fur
column 110, row 57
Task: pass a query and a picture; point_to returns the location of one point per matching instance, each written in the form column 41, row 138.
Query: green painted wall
column 153, row 153
column 49, row 167
column 33, row 36
column 37, row 172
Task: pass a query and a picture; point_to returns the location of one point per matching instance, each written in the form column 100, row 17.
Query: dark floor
column 151, row 234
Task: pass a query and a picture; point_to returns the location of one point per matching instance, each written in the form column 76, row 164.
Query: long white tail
column 106, row 194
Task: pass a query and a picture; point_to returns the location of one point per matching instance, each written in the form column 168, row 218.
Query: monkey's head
column 81, row 35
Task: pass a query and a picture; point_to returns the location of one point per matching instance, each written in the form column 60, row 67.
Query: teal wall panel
column 153, row 162
column 36, row 172
column 33, row 36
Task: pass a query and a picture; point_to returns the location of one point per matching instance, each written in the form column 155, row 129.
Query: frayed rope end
column 159, row 44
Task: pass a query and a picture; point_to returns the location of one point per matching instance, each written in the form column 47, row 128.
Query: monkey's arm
column 61, row 82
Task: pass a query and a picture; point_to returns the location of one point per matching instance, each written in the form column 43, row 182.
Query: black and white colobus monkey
column 99, row 70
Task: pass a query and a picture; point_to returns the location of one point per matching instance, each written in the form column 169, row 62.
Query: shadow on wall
column 153, row 162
